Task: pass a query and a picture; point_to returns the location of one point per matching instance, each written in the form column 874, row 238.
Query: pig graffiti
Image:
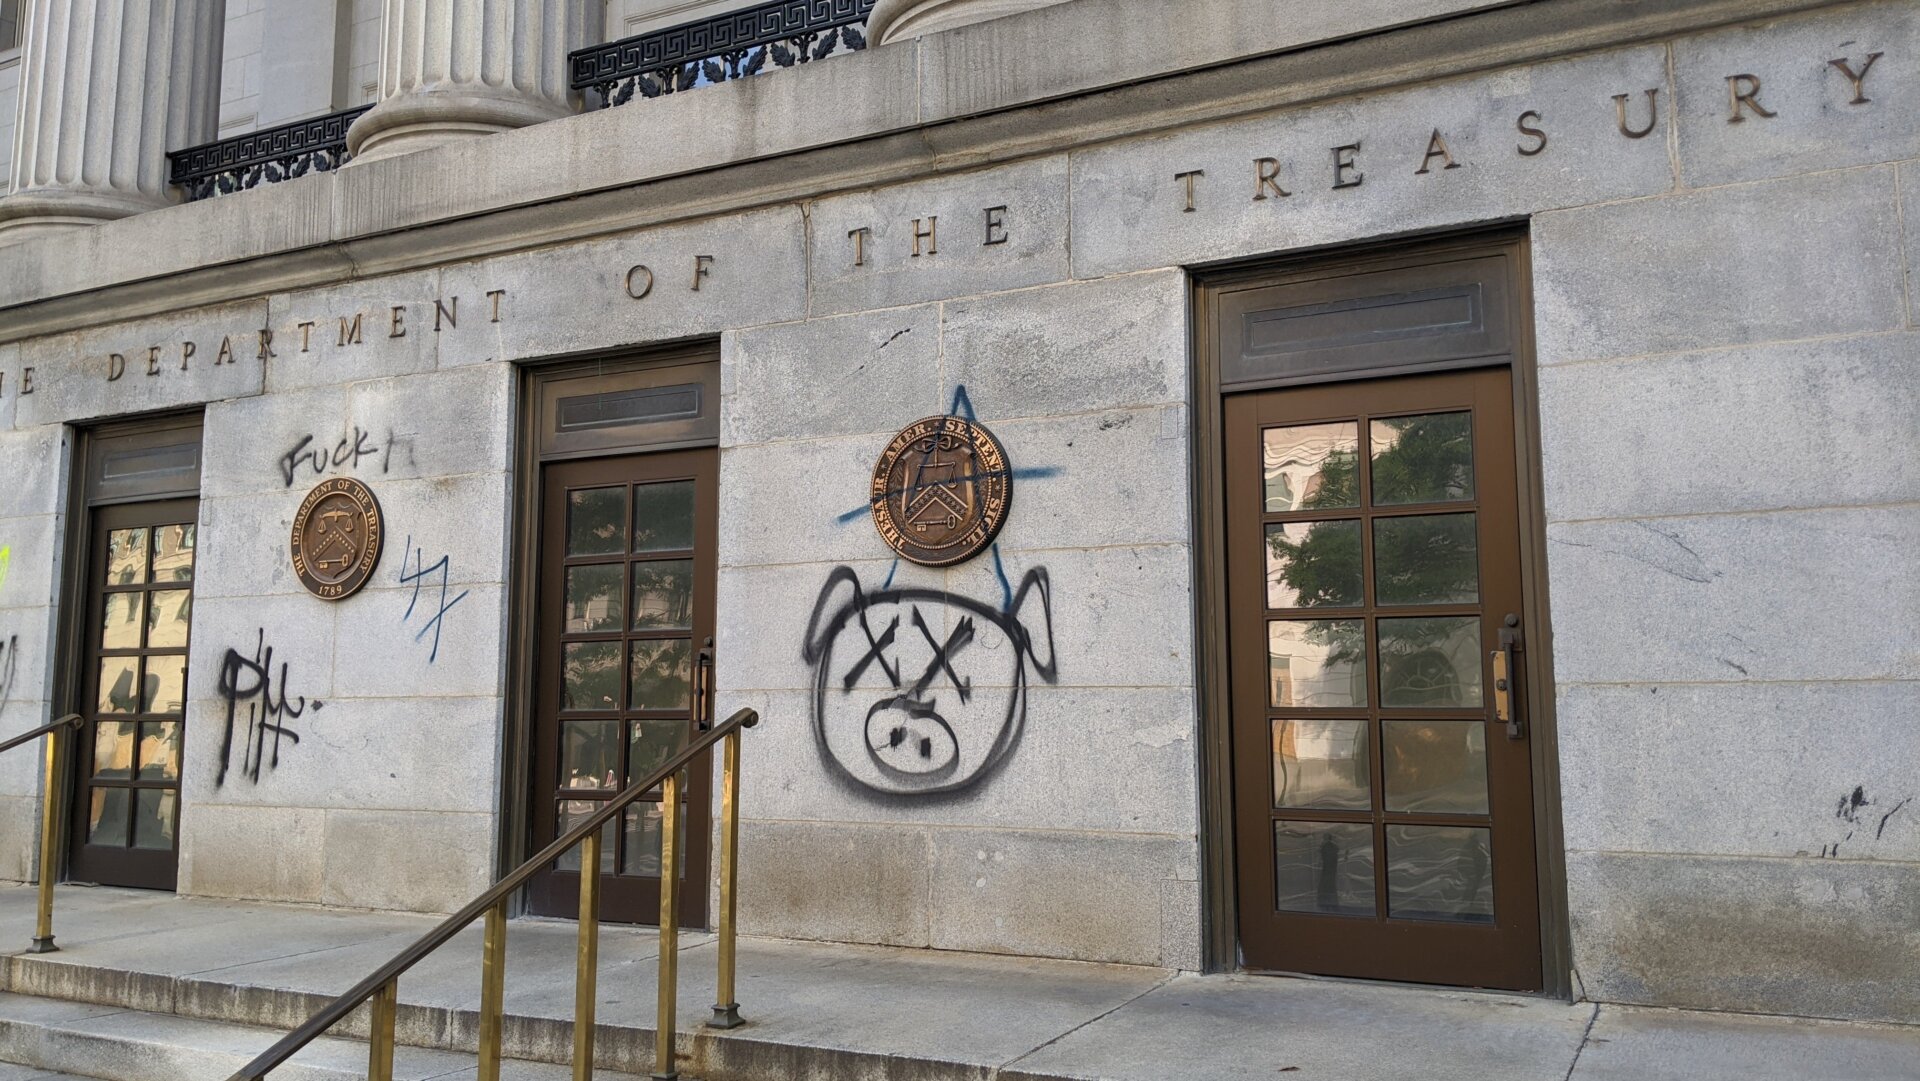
column 918, row 692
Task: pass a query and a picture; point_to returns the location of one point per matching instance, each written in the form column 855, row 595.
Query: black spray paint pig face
column 918, row 692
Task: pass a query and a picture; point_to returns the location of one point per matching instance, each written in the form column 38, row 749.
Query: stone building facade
column 1691, row 230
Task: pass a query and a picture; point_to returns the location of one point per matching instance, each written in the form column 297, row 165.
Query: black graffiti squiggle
column 250, row 681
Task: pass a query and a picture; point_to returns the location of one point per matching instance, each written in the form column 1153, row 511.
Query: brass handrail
column 381, row 986
column 49, row 824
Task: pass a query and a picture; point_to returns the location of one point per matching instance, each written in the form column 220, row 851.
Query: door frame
column 1219, row 868
column 514, row 799
column 72, row 624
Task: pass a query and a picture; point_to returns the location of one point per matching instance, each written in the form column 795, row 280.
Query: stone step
column 84, row 1040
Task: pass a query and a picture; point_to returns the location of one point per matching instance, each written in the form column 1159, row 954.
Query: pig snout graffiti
column 917, row 691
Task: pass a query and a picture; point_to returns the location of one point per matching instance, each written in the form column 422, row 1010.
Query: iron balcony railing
column 51, row 802
column 265, row 156
column 382, row 987
column 714, row 50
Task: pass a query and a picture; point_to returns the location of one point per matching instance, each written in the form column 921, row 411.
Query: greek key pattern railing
column 730, row 46
column 266, row 156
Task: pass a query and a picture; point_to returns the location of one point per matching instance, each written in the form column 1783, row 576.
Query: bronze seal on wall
column 941, row 490
column 336, row 538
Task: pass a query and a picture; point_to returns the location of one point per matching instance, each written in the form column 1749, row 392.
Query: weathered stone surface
column 1181, row 922
column 1129, row 201
column 1811, row 424
column 280, row 442
column 9, row 383
column 352, row 332
column 1070, row 348
column 258, row 853
column 762, row 617
column 440, row 424
column 1121, row 616
column 870, row 373
column 1816, row 124
column 1798, row 258
column 1083, row 896
column 415, row 861
column 1724, row 598
column 961, row 253
column 20, row 832
column 839, row 881
column 32, row 544
column 1802, row 937
column 1113, row 477
column 383, row 650
column 568, row 299
column 1627, row 1044
column 783, row 502
column 34, row 459
column 1743, row 769
column 1908, row 174
column 71, row 371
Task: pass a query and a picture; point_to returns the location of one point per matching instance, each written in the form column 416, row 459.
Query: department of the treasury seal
column 941, row 490
column 336, row 538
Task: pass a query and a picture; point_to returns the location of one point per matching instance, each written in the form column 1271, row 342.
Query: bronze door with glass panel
column 626, row 604
column 133, row 694
column 1384, row 811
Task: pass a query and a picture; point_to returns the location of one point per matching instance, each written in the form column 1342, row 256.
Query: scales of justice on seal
column 941, row 491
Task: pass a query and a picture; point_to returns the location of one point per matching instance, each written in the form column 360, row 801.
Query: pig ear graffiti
column 1023, row 629
column 828, row 616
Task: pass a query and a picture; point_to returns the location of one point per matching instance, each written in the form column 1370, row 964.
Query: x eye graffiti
column 920, row 691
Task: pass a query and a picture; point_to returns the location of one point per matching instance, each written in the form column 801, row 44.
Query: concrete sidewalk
column 847, row 1012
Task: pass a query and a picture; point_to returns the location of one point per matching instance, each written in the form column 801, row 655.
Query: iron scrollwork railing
column 266, row 156
column 730, row 46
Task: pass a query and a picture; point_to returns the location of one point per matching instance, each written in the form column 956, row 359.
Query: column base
column 38, row 212
column 897, row 20
column 423, row 119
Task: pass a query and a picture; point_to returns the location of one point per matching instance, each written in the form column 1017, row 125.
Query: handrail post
column 49, row 843
column 665, row 1026
column 726, row 1006
column 584, row 991
column 493, row 987
column 386, row 1002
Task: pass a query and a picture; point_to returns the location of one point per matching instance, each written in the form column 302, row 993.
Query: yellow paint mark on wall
column 6, row 557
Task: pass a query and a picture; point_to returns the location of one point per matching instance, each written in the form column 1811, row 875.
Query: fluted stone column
column 894, row 20
column 107, row 87
column 455, row 68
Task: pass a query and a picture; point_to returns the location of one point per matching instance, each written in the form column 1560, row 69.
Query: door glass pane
column 1323, row 867
column 173, row 553
column 661, row 675
column 590, row 754
column 168, row 613
column 663, row 595
column 1312, row 466
column 166, row 685
column 572, row 813
column 113, row 749
column 594, row 598
column 120, row 620
column 1423, row 459
column 126, row 557
column 643, row 827
column 160, row 751
column 1317, row 662
column 590, row 675
column 1322, row 764
column 1440, row 873
column 1313, row 565
column 153, row 816
column 652, row 743
column 107, row 817
column 1436, row 767
column 1430, row 662
column 663, row 516
column 1426, row 559
column 597, row 521
column 119, row 685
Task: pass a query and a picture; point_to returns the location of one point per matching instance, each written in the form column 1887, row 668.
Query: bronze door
column 1383, row 804
column 626, row 604
column 139, row 604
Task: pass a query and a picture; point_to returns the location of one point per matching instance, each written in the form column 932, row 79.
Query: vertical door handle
column 1505, row 672
column 703, row 687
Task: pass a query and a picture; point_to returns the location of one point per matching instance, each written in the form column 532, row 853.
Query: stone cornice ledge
column 1045, row 81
